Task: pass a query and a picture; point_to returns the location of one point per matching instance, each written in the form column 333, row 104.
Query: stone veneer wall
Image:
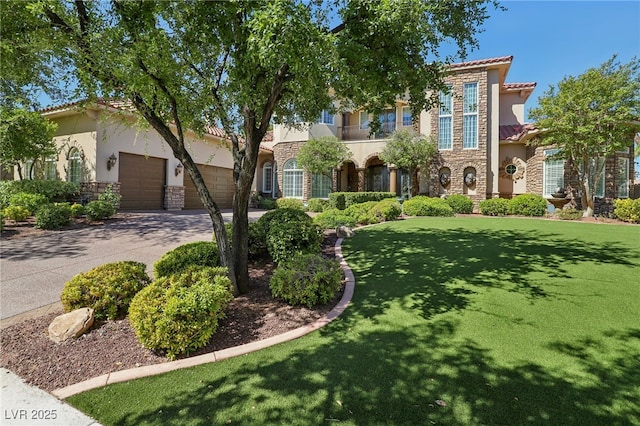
column 89, row 191
column 173, row 197
column 458, row 159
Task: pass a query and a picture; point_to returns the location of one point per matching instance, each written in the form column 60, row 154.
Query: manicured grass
column 507, row 321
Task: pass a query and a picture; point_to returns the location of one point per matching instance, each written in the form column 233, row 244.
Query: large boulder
column 344, row 232
column 71, row 325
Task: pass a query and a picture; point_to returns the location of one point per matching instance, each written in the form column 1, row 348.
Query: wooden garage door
column 219, row 181
column 142, row 181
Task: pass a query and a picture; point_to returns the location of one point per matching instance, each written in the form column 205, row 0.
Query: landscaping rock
column 344, row 232
column 71, row 325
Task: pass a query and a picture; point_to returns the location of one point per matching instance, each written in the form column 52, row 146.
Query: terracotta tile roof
column 515, row 132
column 519, row 86
column 479, row 62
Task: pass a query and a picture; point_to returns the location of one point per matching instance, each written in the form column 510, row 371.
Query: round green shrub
column 460, row 204
column 362, row 212
column 317, row 205
column 31, row 202
column 332, row 218
column 99, row 210
column 179, row 314
column 16, row 213
column 199, row 253
column 627, row 210
column 257, row 239
column 421, row 205
column 307, row 280
column 568, row 214
column 494, row 207
column 77, row 210
column 528, row 205
column 388, row 209
column 110, row 197
column 53, row 216
column 281, row 215
column 290, row 203
column 287, row 239
column 107, row 289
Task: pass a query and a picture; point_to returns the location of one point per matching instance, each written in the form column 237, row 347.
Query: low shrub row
column 362, row 213
column 54, row 191
column 342, row 200
column 421, row 205
column 627, row 210
column 522, row 205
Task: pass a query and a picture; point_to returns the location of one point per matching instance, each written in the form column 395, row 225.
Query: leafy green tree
column 25, row 136
column 589, row 118
column 240, row 64
column 409, row 150
column 321, row 156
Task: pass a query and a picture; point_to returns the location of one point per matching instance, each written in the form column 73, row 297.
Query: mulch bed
column 112, row 345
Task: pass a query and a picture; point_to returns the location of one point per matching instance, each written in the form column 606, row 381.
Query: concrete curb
column 152, row 370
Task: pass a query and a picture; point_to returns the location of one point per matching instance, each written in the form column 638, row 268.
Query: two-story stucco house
column 99, row 144
column 482, row 140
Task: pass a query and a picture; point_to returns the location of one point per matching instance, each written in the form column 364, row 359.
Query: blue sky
column 553, row 39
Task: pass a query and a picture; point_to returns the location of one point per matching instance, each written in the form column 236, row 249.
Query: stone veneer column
column 173, row 197
column 361, row 179
column 89, row 191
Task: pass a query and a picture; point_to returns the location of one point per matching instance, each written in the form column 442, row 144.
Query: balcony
column 355, row 133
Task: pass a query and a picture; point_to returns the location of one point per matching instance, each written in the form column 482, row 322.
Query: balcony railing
column 355, row 133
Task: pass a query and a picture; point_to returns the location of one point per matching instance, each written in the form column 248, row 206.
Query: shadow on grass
column 382, row 378
column 440, row 268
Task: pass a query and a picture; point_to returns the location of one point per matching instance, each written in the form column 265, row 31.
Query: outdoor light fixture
column 178, row 169
column 111, row 162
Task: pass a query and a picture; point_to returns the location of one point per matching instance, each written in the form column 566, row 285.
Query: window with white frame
column 267, row 178
column 320, row 186
column 445, row 123
column 50, row 168
column 292, row 179
column 597, row 168
column 623, row 177
column 553, row 173
column 74, row 171
column 407, row 120
column 364, row 120
column 326, row 118
column 470, row 116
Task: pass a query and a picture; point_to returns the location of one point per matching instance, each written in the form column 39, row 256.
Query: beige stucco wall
column 76, row 131
column 514, row 152
column 511, row 108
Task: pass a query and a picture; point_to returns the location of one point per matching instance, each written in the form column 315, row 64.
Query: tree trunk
column 587, row 200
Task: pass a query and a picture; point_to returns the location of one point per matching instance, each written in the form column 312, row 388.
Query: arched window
column 74, row 172
column 267, row 178
column 291, row 179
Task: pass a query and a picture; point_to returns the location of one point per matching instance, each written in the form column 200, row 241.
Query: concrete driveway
column 33, row 270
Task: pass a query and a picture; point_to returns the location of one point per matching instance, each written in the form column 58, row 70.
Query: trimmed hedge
column 288, row 239
column 289, row 203
column 53, row 190
column 362, row 213
column 107, row 289
column 332, row 218
column 421, row 205
column 627, row 210
column 199, row 253
column 342, row 200
column 179, row 314
column 387, row 209
column 283, row 215
column 528, row 205
column 494, row 207
column 568, row 214
column 99, row 210
column 53, row 216
column 307, row 280
column 31, row 202
column 460, row 203
column 317, row 205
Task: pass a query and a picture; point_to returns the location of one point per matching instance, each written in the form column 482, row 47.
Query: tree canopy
column 322, row 155
column 409, row 150
column 239, row 65
column 590, row 117
column 24, row 136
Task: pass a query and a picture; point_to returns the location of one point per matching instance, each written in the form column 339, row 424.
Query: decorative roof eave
column 486, row 63
column 518, row 133
column 71, row 108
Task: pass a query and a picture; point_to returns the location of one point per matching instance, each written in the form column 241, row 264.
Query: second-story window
column 364, row 120
column 326, row 118
column 445, row 123
column 470, row 116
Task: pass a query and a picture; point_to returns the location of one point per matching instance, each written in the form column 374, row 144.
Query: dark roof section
column 516, row 132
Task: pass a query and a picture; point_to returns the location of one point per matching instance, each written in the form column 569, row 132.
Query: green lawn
column 502, row 321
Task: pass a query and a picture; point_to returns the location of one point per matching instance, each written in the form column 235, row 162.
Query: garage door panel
column 219, row 182
column 142, row 182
